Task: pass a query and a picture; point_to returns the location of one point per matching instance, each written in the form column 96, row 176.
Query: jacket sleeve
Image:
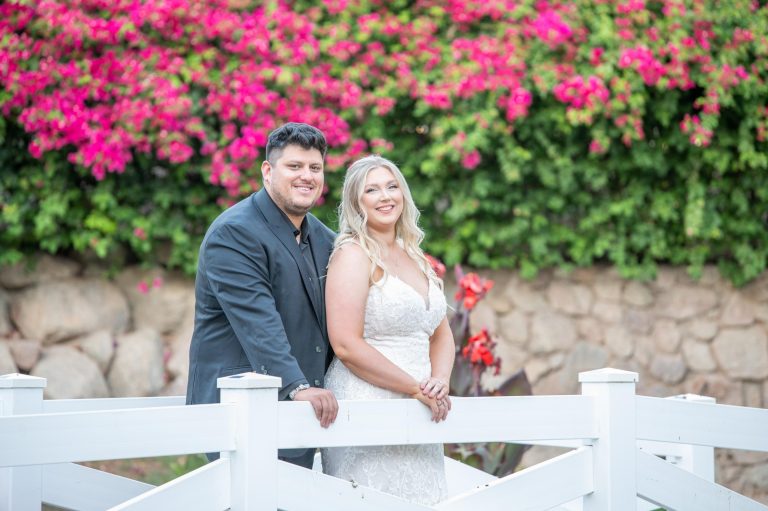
column 239, row 279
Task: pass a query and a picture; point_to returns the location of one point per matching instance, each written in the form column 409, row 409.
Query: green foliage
column 666, row 169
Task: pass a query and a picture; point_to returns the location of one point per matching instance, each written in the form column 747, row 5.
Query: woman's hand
column 434, row 388
column 438, row 407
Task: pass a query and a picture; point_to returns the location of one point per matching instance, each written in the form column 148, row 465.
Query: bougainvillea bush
column 533, row 133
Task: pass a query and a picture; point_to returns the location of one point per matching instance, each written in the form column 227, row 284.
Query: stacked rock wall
column 93, row 336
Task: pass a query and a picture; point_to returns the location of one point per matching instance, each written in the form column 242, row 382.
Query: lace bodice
column 398, row 323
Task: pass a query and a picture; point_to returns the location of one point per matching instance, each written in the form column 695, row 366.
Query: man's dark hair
column 295, row 133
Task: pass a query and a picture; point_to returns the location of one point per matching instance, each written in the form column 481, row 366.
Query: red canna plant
column 475, row 354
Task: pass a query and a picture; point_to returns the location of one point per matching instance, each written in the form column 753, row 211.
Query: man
column 259, row 289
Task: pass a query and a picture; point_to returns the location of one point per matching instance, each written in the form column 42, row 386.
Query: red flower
column 479, row 350
column 437, row 265
column 471, row 289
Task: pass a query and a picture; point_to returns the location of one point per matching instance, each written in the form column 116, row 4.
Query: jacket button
column 318, row 349
column 318, row 383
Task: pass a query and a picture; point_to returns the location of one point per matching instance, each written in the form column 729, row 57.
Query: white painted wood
column 73, row 486
column 615, row 449
column 253, row 465
column 688, row 422
column 115, row 434
column 697, row 459
column 543, row 486
column 309, row 490
column 462, row 478
column 113, row 403
column 204, row 489
column 406, row 421
column 678, row 490
column 20, row 487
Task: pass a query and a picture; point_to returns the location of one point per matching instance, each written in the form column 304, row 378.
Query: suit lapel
column 280, row 227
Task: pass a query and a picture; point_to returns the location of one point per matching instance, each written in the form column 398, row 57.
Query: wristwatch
column 299, row 388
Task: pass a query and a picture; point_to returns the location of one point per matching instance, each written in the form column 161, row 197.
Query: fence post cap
column 695, row 397
column 608, row 375
column 249, row 381
column 21, row 381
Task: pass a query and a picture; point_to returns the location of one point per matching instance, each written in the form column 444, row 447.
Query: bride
column 387, row 325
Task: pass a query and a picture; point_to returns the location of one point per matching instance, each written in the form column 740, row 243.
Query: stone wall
column 129, row 336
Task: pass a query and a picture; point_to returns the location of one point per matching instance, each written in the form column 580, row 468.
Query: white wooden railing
column 616, row 437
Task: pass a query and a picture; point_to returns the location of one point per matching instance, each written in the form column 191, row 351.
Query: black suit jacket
column 255, row 309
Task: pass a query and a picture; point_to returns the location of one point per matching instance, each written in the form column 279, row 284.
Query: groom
column 260, row 290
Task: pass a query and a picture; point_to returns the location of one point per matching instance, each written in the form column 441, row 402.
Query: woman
column 387, row 325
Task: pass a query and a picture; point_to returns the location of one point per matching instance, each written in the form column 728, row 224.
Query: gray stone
column 757, row 290
column 570, row 298
column 43, row 268
column 698, row 356
column 710, row 276
column 556, row 360
column 7, row 365
column 590, row 329
column 737, row 312
column 495, row 297
column 158, row 300
column 524, row 297
column 100, row 346
column 512, row 358
column 639, row 321
column 551, row 332
column 666, row 335
column 540, row 453
column 757, row 476
column 724, row 390
column 619, row 341
column 607, row 312
column 513, row 327
column 178, row 362
column 608, row 289
column 637, row 294
column 702, row 329
column 670, row 369
column 5, row 319
column 535, row 369
column 483, row 316
column 70, row 374
column 645, row 349
column 753, row 394
column 59, row 310
column 666, row 278
column 742, row 353
column 26, row 353
column 137, row 369
column 584, row 357
column 685, row 302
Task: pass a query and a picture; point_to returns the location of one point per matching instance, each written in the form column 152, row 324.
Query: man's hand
column 323, row 401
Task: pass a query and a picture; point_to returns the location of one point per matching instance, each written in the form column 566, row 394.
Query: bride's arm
column 346, row 292
column 442, row 351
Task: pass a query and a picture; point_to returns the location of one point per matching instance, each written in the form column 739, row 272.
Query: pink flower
column 471, row 160
column 143, row 287
column 139, row 233
column 157, row 282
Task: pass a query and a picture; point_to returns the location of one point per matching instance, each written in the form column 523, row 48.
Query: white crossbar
column 537, row 488
column 476, row 419
column 73, row 486
column 309, row 490
column 687, row 422
column 115, row 434
column 678, row 490
column 110, row 403
column 204, row 489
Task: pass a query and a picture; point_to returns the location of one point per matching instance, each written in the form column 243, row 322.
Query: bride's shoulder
column 350, row 252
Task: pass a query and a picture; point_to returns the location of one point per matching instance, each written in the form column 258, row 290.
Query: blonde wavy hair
column 353, row 219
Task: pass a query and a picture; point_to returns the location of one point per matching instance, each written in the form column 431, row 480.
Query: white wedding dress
column 398, row 323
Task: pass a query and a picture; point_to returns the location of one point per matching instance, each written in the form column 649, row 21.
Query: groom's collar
column 277, row 216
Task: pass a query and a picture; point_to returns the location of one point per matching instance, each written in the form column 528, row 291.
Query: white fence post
column 698, row 459
column 21, row 487
column 253, row 463
column 615, row 450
